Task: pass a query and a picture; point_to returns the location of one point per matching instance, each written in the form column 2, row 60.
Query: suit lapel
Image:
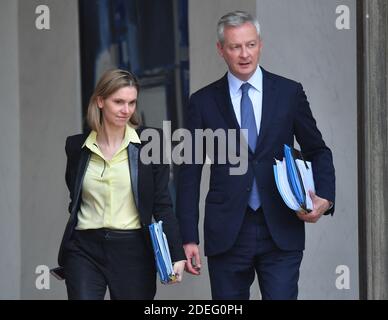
column 225, row 106
column 224, row 103
column 81, row 170
column 133, row 156
column 268, row 108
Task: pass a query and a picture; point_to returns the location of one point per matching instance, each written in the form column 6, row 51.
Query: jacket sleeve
column 68, row 177
column 189, row 179
column 314, row 149
column 72, row 149
column 162, row 210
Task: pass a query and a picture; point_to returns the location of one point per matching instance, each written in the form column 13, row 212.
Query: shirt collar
column 256, row 81
column 129, row 136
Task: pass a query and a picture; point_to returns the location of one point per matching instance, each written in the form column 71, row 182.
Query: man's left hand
column 320, row 206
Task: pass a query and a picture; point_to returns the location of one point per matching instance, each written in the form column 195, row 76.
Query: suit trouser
column 119, row 260
column 232, row 273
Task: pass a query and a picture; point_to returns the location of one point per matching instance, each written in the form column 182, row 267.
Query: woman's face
column 119, row 107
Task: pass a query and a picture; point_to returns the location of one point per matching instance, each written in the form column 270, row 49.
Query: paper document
column 294, row 179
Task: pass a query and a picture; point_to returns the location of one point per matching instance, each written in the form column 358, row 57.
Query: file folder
column 294, row 179
column 58, row 273
column 161, row 253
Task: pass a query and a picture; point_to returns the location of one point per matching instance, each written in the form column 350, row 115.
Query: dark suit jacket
column 149, row 185
column 285, row 114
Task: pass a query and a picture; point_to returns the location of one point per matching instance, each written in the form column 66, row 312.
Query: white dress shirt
column 255, row 94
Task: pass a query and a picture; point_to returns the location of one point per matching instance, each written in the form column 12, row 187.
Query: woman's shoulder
column 76, row 141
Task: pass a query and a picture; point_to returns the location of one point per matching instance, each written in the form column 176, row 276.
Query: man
column 247, row 226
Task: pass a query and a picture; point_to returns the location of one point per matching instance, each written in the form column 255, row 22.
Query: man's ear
column 260, row 43
column 220, row 49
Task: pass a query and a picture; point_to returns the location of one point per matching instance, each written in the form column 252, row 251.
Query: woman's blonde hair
column 109, row 83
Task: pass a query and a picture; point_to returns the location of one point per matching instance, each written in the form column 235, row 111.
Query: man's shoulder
column 210, row 88
column 280, row 80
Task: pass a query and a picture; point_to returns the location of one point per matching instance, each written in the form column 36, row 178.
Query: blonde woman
column 114, row 196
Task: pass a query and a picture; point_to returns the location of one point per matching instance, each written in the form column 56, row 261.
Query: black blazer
column 149, row 186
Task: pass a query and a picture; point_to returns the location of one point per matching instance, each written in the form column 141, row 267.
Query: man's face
column 241, row 50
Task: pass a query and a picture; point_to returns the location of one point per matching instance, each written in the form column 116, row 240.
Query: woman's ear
column 100, row 102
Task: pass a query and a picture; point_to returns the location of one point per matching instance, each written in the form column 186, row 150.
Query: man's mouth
column 244, row 64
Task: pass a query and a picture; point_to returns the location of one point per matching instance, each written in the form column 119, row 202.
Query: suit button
column 255, row 162
column 249, row 189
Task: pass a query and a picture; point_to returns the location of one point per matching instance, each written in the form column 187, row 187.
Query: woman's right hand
column 179, row 267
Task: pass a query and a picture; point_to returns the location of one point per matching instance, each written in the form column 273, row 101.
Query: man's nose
column 244, row 52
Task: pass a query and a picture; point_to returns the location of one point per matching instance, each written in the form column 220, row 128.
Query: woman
column 114, row 196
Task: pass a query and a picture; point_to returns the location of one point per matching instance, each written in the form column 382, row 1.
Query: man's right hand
column 193, row 263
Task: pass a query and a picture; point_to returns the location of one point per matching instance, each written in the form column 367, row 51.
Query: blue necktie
column 248, row 121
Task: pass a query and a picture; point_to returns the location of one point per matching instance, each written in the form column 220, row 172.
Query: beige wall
column 49, row 111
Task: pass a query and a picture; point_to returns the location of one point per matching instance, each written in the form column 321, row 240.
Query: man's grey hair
column 235, row 19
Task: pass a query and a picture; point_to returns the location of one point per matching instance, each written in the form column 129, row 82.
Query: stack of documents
column 162, row 253
column 294, row 180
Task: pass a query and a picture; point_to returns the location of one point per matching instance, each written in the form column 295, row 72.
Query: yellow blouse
column 107, row 198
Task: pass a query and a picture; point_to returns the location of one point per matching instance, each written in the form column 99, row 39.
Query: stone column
column 374, row 151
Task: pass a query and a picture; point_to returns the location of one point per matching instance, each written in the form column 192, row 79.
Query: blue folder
column 161, row 253
column 294, row 178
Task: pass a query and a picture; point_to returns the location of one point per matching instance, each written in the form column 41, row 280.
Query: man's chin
column 245, row 74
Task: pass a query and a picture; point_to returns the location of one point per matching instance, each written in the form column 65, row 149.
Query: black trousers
column 118, row 260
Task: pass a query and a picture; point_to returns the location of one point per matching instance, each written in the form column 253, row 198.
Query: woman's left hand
column 179, row 267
